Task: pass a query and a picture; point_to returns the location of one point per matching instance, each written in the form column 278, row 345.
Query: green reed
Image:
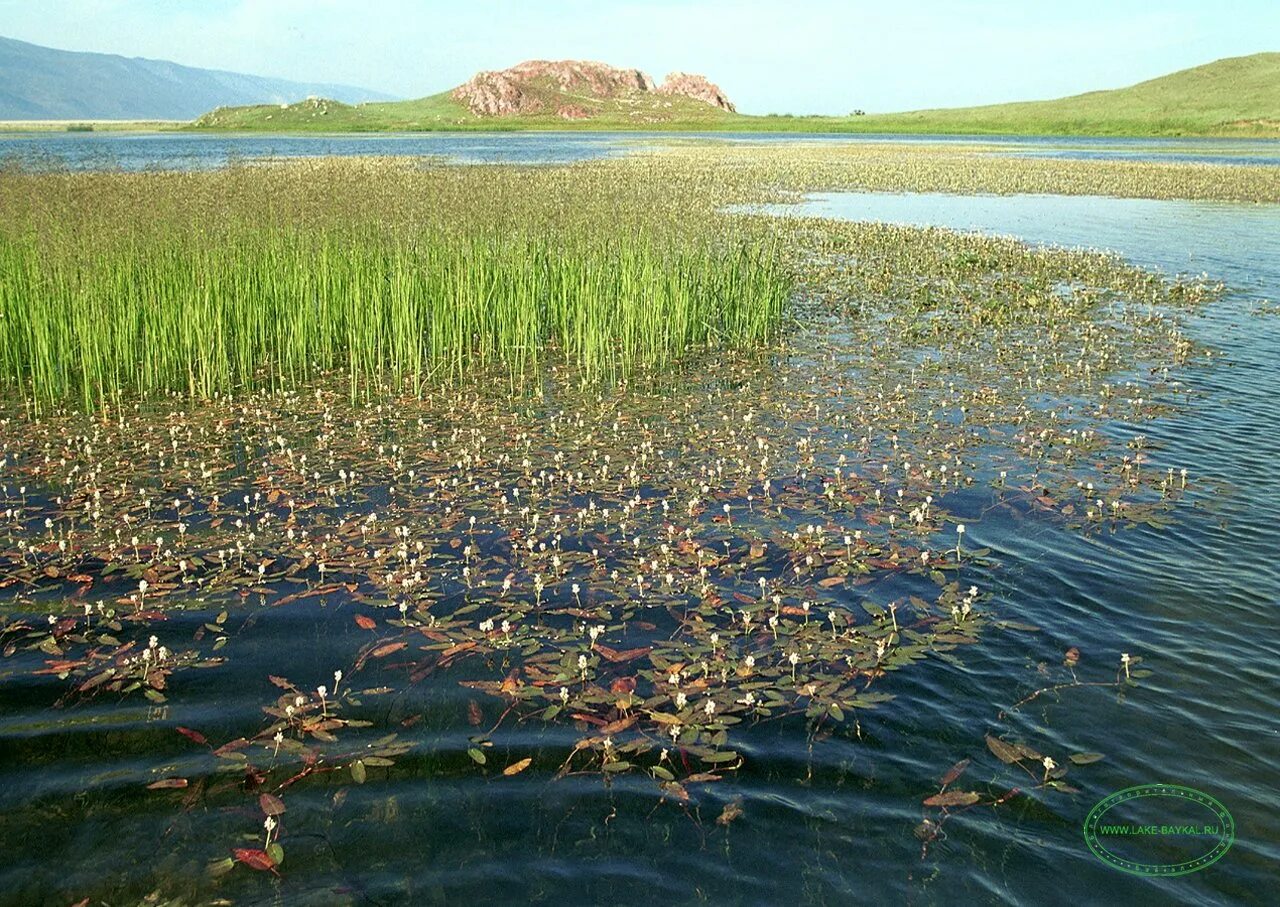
column 96, row 311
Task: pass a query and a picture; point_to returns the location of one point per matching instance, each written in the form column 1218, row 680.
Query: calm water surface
column 186, row 151
column 832, row 823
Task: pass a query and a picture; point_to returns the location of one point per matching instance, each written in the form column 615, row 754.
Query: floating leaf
column 1085, row 758
column 732, row 810
column 1005, row 752
column 953, row 798
column 271, row 805
column 194, row 736
column 168, row 784
column 358, row 772
column 622, row 656
column 477, row 755
column 955, row 772
column 516, row 768
column 255, row 859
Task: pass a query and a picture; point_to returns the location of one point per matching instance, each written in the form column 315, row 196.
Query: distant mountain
column 42, row 83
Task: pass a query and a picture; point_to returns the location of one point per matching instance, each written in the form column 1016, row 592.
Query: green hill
column 1238, row 96
column 1234, row 96
column 441, row 112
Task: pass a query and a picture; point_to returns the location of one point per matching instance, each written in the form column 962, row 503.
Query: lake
column 177, row 150
column 829, row 820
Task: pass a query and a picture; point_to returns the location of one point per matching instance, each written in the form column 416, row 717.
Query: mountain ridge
column 46, row 83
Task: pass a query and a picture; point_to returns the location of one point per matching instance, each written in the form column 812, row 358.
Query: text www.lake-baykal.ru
column 1104, row 830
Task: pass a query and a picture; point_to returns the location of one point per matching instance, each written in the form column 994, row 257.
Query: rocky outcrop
column 700, row 88
column 525, row 88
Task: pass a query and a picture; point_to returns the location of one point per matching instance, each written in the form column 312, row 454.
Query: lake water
column 173, row 150
column 830, row 822
column 1202, row 599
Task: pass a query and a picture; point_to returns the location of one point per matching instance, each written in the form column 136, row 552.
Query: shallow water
column 189, row 151
column 826, row 821
column 1200, row 599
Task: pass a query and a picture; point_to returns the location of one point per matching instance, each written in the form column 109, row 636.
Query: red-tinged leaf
column 623, row 685
column 193, row 736
column 365, row 623
column 271, row 804
column 168, row 784
column 388, row 649
column 231, row 747
column 255, row 859
column 454, row 650
column 620, row 656
column 474, row 714
column 282, row 682
column 955, row 772
column 676, row 790
column 617, row 727
column 953, row 798
column 744, row 599
column 830, row 581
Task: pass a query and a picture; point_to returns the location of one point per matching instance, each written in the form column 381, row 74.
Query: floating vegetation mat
column 563, row 577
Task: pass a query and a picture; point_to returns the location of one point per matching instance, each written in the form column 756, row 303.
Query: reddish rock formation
column 697, row 87
column 517, row 90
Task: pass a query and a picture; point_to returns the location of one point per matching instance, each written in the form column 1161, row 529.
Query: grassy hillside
column 1234, row 96
column 442, row 112
column 1238, row 96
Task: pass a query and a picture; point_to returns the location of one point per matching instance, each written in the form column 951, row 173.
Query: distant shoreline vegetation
column 1235, row 97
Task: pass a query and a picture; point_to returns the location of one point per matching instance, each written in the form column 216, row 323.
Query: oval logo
column 1159, row 830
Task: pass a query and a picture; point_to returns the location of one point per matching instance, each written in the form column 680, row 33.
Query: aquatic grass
column 97, row 308
column 262, row 308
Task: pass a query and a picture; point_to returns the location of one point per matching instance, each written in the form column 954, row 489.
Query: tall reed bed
column 113, row 300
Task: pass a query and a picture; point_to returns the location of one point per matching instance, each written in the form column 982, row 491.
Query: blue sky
column 803, row 56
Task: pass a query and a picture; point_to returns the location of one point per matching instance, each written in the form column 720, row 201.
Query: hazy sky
column 800, row 56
